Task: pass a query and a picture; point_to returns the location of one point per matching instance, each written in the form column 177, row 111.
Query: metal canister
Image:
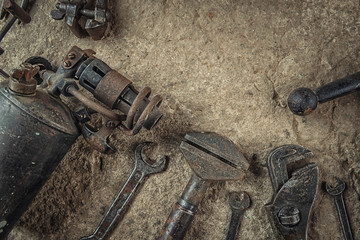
column 36, row 131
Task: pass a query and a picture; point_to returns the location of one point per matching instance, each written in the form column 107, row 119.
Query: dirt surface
column 221, row 66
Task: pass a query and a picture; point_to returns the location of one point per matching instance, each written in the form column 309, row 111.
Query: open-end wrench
column 143, row 168
column 239, row 202
column 337, row 193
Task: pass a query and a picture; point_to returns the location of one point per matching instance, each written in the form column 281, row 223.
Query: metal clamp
column 72, row 11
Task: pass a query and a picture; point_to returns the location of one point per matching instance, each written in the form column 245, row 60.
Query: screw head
column 67, row 63
column 71, row 55
column 289, row 216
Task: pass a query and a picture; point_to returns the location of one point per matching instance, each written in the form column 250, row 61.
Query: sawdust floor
column 222, row 66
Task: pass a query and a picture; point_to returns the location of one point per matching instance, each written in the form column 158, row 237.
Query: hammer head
column 213, row 157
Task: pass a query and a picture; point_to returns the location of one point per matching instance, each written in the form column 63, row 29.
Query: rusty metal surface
column 36, row 131
column 36, row 119
column 144, row 167
column 280, row 158
column 99, row 139
column 91, row 104
column 25, row 6
column 239, row 202
column 14, row 9
column 211, row 157
column 69, row 10
column 96, row 22
column 110, row 87
column 54, row 113
column 80, row 67
column 22, row 81
column 294, row 195
column 337, row 192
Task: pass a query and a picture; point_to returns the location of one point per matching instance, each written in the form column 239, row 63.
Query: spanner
column 337, row 193
column 294, row 193
column 143, row 168
column 239, row 201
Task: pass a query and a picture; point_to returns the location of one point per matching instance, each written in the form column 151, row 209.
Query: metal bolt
column 67, row 63
column 289, row 216
column 71, row 55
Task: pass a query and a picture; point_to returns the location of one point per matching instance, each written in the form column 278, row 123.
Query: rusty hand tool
column 72, row 11
column 337, row 193
column 17, row 12
column 239, row 202
column 293, row 196
column 211, row 157
column 143, row 168
column 303, row 101
column 37, row 126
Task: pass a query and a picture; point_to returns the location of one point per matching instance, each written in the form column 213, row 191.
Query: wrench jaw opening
column 148, row 165
column 337, row 193
column 290, row 208
column 239, row 202
column 336, row 190
column 280, row 158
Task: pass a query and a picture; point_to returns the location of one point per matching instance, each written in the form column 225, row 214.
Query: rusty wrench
column 239, row 202
column 143, row 167
column 294, row 194
column 337, row 193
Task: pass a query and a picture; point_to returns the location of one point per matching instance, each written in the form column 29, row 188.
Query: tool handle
column 183, row 212
column 338, row 88
column 177, row 223
column 303, row 101
column 343, row 216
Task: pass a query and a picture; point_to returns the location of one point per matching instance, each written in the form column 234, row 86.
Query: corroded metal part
column 239, row 202
column 113, row 90
column 99, row 139
column 19, row 11
column 211, row 157
column 96, row 20
column 15, row 10
column 37, row 129
column 294, row 196
column 144, row 167
column 280, row 158
column 337, row 192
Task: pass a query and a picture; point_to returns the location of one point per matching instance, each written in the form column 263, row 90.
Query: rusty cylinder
column 36, row 131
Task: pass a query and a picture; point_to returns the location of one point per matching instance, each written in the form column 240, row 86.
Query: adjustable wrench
column 294, row 194
column 337, row 193
column 143, row 168
column 238, row 203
